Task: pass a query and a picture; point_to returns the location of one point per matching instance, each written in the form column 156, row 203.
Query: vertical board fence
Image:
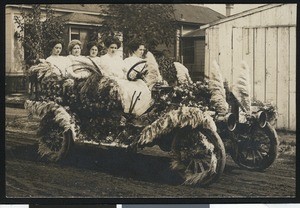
column 266, row 40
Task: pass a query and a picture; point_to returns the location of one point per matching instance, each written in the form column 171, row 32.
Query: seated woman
column 57, row 62
column 135, row 95
column 75, row 59
column 111, row 63
column 137, row 54
column 94, row 48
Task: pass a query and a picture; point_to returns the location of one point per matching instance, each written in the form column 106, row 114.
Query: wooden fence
column 269, row 48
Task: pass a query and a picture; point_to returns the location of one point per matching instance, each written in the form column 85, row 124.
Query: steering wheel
column 139, row 74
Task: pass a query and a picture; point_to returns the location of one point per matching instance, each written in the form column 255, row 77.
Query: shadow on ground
column 117, row 162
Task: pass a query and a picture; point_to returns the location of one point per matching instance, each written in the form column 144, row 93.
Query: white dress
column 72, row 62
column 130, row 61
column 130, row 91
column 112, row 66
column 59, row 64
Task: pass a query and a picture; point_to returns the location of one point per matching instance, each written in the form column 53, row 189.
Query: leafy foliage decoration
column 167, row 70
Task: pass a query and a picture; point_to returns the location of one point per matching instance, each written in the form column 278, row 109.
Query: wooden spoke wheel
column 255, row 149
column 198, row 156
column 55, row 143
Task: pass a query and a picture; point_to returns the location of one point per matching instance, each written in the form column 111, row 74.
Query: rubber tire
column 64, row 139
column 270, row 132
column 219, row 149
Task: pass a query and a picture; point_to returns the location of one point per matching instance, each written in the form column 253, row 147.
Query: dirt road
column 105, row 173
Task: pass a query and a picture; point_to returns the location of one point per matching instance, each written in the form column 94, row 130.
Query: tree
column 154, row 24
column 35, row 31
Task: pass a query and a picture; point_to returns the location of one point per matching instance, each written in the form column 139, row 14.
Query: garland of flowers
column 196, row 94
column 95, row 100
column 100, row 106
column 49, row 82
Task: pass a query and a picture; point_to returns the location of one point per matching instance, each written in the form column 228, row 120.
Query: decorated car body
column 190, row 120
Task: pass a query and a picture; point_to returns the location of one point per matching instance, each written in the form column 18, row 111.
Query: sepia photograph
column 150, row 101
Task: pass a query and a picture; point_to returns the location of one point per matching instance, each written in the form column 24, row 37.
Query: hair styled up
column 53, row 42
column 134, row 45
column 112, row 40
column 91, row 44
column 73, row 43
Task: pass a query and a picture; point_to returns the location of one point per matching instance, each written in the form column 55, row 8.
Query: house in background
column 190, row 45
column 81, row 23
column 264, row 37
column 193, row 51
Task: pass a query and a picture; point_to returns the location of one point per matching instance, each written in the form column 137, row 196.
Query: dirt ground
column 105, row 173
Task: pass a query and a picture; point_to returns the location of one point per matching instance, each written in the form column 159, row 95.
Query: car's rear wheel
column 55, row 142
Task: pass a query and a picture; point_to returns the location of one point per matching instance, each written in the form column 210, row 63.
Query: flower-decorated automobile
column 184, row 118
column 244, row 125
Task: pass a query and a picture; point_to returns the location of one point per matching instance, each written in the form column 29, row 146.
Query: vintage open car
column 182, row 119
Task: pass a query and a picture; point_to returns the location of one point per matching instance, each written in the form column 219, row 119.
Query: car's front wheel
column 256, row 149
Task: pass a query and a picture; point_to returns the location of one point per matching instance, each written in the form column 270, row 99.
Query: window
column 75, row 33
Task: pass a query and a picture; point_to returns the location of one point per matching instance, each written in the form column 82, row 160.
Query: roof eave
column 83, row 23
column 239, row 15
column 190, row 23
column 59, row 10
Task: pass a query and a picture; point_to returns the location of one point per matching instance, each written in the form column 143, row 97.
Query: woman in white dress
column 111, row 63
column 93, row 48
column 136, row 53
column 57, row 62
column 131, row 92
column 74, row 58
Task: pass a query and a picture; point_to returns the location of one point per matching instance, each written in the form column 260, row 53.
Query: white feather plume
column 182, row 73
column 153, row 75
column 216, row 86
column 242, row 87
